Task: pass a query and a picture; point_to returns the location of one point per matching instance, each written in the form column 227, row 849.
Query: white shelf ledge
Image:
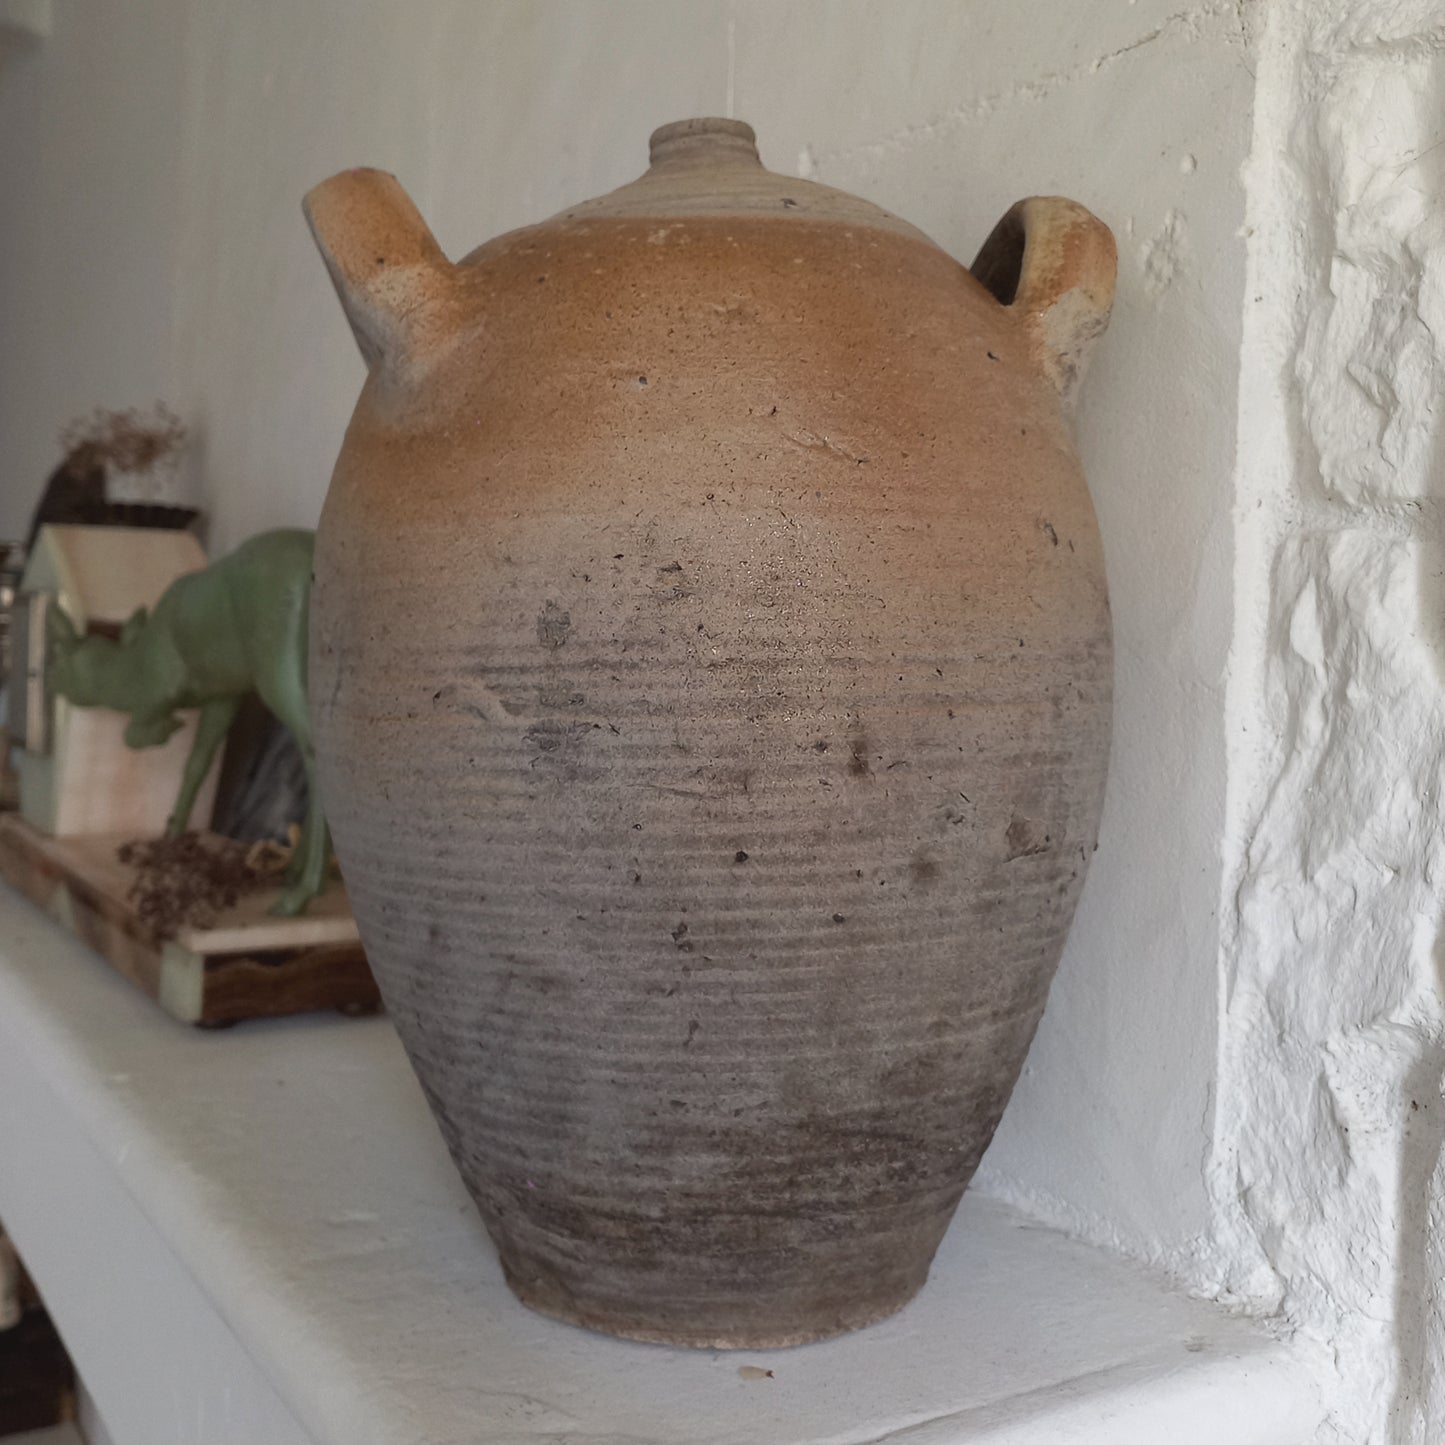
column 257, row 1235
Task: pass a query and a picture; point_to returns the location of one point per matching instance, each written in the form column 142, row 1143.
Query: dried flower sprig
column 123, row 441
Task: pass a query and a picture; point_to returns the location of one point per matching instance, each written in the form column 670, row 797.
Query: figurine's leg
column 314, row 849
column 285, row 695
column 151, row 730
column 296, row 867
column 296, row 864
column 211, row 729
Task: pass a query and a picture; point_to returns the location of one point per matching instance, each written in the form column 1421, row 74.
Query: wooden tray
column 245, row 965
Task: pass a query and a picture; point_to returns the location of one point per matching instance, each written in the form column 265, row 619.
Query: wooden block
column 82, row 778
column 91, row 783
column 246, row 964
column 37, row 1380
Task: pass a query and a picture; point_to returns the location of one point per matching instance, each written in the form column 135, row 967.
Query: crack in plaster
column 732, row 59
column 1186, row 25
column 1422, row 45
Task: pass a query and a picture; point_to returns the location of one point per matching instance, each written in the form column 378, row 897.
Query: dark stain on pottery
column 923, row 870
column 1026, row 838
column 553, row 625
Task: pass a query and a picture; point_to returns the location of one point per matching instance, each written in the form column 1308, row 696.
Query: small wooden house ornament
column 77, row 776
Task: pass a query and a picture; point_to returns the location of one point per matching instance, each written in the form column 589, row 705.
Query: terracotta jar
column 710, row 670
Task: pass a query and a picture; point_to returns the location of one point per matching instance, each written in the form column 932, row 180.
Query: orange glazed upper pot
column 710, row 667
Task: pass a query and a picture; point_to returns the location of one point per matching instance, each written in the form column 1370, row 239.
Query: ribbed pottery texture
column 710, row 666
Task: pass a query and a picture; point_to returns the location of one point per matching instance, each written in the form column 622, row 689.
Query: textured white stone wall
column 1327, row 1169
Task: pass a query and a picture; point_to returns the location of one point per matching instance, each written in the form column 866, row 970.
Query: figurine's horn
column 1054, row 263
column 397, row 288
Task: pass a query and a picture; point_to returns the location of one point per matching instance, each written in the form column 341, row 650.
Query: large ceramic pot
column 710, row 665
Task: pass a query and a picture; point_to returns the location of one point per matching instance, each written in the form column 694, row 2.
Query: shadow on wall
column 14, row 46
column 1417, row 1300
column 1430, row 527
column 1419, row 1304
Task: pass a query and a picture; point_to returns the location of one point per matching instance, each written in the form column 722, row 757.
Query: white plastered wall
column 188, row 274
column 152, row 159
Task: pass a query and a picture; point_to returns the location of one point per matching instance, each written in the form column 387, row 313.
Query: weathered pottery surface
column 710, row 665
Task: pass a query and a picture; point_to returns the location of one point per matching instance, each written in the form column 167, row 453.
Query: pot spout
column 398, row 290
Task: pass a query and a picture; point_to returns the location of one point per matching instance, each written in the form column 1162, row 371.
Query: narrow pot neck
column 702, row 143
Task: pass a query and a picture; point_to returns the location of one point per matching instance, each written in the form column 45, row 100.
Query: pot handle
column 397, row 288
column 1054, row 263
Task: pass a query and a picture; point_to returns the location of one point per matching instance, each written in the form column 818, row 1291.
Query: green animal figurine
column 237, row 626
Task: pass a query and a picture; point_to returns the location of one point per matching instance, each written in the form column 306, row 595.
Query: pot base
column 819, row 1276
column 704, row 1339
